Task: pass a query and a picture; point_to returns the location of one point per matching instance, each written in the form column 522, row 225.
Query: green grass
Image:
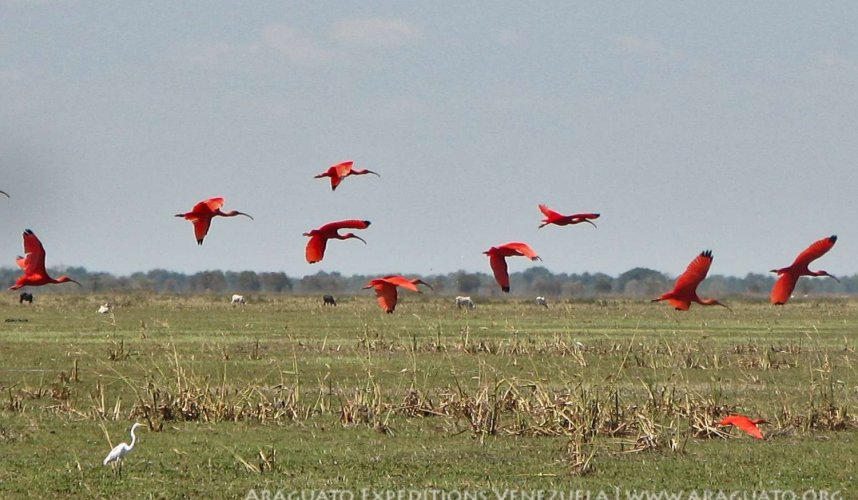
column 284, row 394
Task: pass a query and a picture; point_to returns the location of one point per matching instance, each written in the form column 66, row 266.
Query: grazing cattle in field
column 104, row 308
column 465, row 302
column 540, row 301
column 329, row 300
column 25, row 297
column 238, row 299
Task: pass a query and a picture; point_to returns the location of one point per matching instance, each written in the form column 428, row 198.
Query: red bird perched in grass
column 749, row 425
column 685, row 290
column 202, row 213
column 33, row 264
column 385, row 289
column 789, row 275
column 340, row 171
column 552, row 217
column 319, row 237
column 497, row 259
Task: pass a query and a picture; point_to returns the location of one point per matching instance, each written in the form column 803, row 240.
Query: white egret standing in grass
column 122, row 449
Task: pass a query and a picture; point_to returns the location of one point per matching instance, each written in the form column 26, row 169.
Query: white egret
column 122, row 449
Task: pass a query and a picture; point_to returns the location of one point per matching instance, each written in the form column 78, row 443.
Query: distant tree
column 757, row 283
column 648, row 281
column 322, row 282
column 603, row 286
column 208, row 281
column 467, row 283
column 531, row 274
column 546, row 285
column 275, row 282
column 573, row 288
column 248, row 281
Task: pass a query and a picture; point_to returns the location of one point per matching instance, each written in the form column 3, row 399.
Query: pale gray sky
column 728, row 126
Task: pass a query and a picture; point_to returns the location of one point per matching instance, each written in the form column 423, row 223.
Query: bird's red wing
column 679, row 304
column 522, row 248
column 397, row 280
column 385, row 293
column 499, row 268
column 343, row 169
column 22, row 262
column 332, row 227
column 201, row 227
column 335, row 181
column 584, row 216
column 34, row 254
column 814, row 251
column 315, row 251
column 743, row 423
column 207, row 206
column 550, row 214
column 783, row 288
column 688, row 281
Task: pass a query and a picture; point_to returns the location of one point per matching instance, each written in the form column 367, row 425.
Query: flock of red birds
column 680, row 297
column 684, row 291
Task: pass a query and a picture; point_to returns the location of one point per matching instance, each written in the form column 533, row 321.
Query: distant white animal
column 238, row 299
column 540, row 301
column 120, row 450
column 465, row 302
column 104, row 308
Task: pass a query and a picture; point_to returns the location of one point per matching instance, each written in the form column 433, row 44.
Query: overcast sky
column 730, row 126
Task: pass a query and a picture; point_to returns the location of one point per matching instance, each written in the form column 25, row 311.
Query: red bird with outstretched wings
column 685, row 289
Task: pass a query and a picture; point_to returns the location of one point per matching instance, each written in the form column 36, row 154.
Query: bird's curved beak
column 724, row 305
column 371, row 172
column 75, row 282
column 359, row 238
column 246, row 215
column 832, row 276
column 591, row 223
column 421, row 282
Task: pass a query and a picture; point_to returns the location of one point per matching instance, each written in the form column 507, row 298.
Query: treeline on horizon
column 636, row 283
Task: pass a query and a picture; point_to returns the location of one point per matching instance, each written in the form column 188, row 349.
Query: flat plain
column 285, row 395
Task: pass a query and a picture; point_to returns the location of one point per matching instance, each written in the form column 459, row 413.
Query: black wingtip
column 199, row 242
column 706, row 253
column 28, row 231
column 505, row 289
column 833, row 238
column 367, row 222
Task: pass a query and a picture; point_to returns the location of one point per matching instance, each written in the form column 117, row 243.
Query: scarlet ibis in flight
column 789, row 275
column 385, row 289
column 685, row 290
column 340, row 171
column 202, row 213
column 497, row 259
column 319, row 237
column 749, row 425
column 552, row 217
column 33, row 264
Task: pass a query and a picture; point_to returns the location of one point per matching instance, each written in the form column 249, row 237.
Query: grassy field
column 284, row 395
